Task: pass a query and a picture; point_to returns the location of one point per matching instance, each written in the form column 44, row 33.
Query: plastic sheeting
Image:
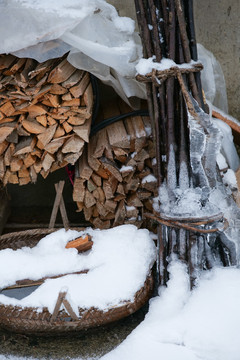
column 212, row 77
column 98, row 40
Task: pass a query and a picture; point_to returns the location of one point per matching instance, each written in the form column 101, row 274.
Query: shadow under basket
column 31, row 321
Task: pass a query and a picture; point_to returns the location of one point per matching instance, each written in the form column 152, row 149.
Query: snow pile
column 145, row 66
column 184, row 325
column 118, row 264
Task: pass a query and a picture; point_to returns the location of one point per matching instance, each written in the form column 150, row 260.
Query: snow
column 229, row 178
column 145, row 66
column 189, row 325
column 118, row 264
column 126, row 168
column 149, row 178
column 221, row 161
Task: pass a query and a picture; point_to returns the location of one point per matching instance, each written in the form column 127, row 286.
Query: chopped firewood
column 77, row 120
column 59, row 132
column 29, row 160
column 73, row 102
column 24, row 180
column 74, row 144
column 46, row 136
column 35, row 110
column 3, row 147
column 33, row 126
column 89, row 199
column 47, row 161
column 85, row 170
column 78, row 190
column 61, row 72
column 13, row 137
column 5, row 131
column 97, row 179
column 23, row 172
column 83, row 131
column 54, row 100
column 57, row 89
column 54, row 145
column 71, row 158
column 8, row 154
column 6, row 61
column 101, row 224
column 79, row 89
column 13, row 178
column 91, row 186
column 83, row 243
column 120, row 214
column 68, row 128
column 7, row 109
column 25, row 145
column 119, row 182
column 42, row 119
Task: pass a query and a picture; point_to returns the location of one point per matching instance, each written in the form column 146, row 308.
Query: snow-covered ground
column 202, row 324
column 184, row 325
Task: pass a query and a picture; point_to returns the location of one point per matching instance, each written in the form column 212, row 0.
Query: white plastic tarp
column 98, row 39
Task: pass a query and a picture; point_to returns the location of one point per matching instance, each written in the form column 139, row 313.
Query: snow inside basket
column 117, row 281
column 45, row 116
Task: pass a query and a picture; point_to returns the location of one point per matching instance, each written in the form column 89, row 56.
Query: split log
column 45, row 112
column 114, row 182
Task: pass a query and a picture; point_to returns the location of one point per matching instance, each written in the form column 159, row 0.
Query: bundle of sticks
column 184, row 138
column 45, row 116
column 114, row 180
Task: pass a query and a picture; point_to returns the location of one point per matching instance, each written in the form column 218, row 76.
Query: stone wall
column 218, row 29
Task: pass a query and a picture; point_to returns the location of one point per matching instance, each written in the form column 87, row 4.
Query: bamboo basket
column 30, row 321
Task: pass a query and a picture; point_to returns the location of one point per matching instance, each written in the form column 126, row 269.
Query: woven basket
column 30, row 321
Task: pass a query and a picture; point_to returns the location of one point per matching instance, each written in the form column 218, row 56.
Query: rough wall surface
column 218, row 29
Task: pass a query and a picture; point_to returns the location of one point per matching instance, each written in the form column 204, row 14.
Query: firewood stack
column 45, row 117
column 114, row 180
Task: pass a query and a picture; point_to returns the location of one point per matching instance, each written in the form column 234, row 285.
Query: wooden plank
column 56, row 204
column 63, row 210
